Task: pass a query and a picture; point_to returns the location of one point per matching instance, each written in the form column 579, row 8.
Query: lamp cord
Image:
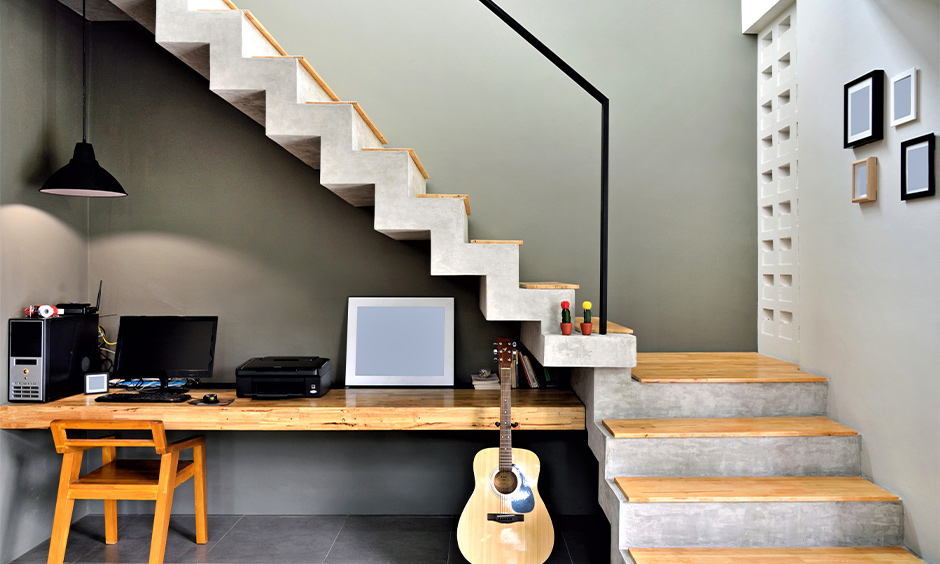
column 84, row 76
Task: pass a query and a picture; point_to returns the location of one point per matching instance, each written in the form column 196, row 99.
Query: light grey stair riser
column 734, row 456
column 759, row 524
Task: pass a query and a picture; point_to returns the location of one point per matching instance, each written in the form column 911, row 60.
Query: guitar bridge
column 505, row 518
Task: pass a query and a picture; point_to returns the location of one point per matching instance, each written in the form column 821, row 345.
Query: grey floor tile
column 85, row 534
column 367, row 539
column 134, row 540
column 281, row 539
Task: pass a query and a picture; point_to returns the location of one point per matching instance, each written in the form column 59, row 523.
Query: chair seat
column 129, row 472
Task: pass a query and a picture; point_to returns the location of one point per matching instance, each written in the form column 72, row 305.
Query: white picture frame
column 904, row 97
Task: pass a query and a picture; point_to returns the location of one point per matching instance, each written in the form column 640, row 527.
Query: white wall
column 871, row 272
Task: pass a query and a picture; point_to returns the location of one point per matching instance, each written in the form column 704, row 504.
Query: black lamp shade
column 83, row 176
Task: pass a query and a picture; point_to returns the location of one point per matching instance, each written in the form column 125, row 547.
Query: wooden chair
column 126, row 479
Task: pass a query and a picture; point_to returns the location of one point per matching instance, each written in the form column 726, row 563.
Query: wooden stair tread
column 717, row 368
column 414, row 157
column 495, row 242
column 726, row 427
column 464, row 197
column 548, row 286
column 751, row 489
column 815, row 555
column 596, row 326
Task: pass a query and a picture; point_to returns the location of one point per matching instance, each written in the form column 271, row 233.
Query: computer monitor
column 165, row 347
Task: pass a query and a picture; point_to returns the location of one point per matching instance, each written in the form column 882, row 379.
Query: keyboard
column 144, row 397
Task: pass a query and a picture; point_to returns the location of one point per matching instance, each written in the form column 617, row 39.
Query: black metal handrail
column 605, row 137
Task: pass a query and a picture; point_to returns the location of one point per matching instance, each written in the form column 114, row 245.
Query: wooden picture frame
column 863, row 110
column 918, row 175
column 865, row 180
column 904, row 97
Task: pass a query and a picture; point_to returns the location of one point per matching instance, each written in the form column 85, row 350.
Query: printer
column 273, row 377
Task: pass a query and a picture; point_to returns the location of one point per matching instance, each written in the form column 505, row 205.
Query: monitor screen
column 400, row 342
column 165, row 347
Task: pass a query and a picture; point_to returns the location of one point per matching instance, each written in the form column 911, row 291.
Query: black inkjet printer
column 273, row 377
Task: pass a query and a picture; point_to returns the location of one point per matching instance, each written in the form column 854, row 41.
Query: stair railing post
column 605, row 137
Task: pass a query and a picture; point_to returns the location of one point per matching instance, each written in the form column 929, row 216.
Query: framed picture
column 904, row 97
column 865, row 180
column 917, row 169
column 863, row 109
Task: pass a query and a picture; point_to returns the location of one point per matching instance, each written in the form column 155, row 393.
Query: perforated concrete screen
column 778, row 189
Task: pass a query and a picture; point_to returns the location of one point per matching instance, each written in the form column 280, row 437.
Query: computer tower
column 50, row 357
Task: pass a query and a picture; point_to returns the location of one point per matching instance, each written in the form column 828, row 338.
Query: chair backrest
column 63, row 443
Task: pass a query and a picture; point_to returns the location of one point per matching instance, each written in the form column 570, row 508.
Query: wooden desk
column 339, row 409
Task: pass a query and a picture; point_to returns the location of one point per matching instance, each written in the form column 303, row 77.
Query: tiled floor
column 308, row 539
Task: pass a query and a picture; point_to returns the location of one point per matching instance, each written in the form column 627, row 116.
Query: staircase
column 731, row 450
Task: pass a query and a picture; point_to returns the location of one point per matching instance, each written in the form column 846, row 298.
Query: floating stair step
column 716, row 368
column 495, row 242
column 548, row 286
column 358, row 108
column 596, row 326
column 751, row 489
column 464, row 197
column 314, row 75
column 821, row 555
column 726, row 427
column 414, row 157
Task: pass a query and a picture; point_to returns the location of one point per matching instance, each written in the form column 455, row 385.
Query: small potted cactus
column 565, row 318
column 587, row 325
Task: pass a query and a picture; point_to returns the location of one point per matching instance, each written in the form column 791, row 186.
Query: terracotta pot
column 565, row 328
column 586, row 328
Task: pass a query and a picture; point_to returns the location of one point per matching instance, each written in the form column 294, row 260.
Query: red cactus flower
column 565, row 305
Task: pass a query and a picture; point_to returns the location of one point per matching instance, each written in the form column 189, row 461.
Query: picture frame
column 904, row 97
column 917, row 167
column 865, row 180
column 863, row 110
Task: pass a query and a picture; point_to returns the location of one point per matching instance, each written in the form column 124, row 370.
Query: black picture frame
column 863, row 109
column 917, row 167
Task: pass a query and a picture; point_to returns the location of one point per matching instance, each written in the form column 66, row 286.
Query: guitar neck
column 505, row 417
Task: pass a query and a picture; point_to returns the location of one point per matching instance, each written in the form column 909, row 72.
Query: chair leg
column 199, row 484
column 161, row 515
column 108, row 454
column 71, row 467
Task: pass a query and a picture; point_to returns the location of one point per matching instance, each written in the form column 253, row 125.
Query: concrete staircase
column 731, row 451
column 299, row 111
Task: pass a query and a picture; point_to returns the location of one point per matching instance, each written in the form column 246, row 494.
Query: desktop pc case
column 48, row 358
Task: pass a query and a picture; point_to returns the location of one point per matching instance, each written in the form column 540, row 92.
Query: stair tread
column 716, row 368
column 815, row 555
column 414, row 157
column 548, row 286
column 496, row 242
column 596, row 326
column 690, row 427
column 464, row 197
column 751, row 489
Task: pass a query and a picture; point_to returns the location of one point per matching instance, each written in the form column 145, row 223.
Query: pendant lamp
column 83, row 176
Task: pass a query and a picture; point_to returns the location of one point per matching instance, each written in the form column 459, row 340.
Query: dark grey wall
column 43, row 239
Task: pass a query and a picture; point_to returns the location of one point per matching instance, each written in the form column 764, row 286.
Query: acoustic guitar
column 505, row 520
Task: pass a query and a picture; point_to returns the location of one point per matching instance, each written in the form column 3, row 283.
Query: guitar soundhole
column 505, row 482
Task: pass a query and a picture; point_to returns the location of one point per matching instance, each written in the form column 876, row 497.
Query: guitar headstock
column 504, row 351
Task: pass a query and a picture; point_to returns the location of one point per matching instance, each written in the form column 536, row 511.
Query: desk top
column 340, row 409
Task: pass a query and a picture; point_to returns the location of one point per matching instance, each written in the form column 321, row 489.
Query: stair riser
column 760, row 524
column 745, row 456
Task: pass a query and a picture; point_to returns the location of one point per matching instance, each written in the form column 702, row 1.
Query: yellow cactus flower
column 586, row 305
